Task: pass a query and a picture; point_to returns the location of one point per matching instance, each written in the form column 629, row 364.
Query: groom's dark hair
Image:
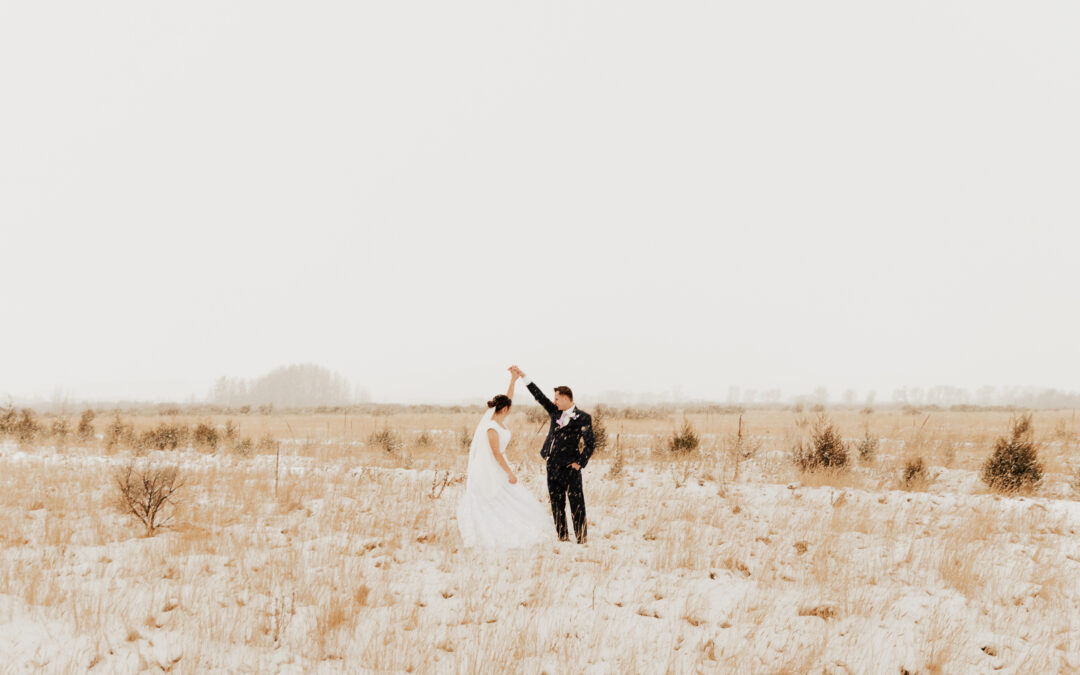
column 565, row 391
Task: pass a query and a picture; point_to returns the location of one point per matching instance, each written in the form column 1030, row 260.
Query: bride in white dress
column 497, row 511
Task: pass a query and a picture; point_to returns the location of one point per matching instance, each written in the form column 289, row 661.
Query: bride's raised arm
column 513, row 378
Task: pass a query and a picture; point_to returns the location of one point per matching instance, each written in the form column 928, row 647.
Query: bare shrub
column 26, row 427
column 8, row 417
column 243, row 446
column 145, row 490
column 824, row 449
column 741, row 448
column 385, row 439
column 268, row 443
column 914, row 475
column 205, row 436
column 282, row 611
column 867, row 447
column 684, row 469
column 165, row 436
column 119, row 433
column 59, row 429
column 1015, row 463
column 230, row 434
column 85, row 431
column 424, row 440
column 536, row 415
column 618, row 465
column 683, row 441
column 439, row 481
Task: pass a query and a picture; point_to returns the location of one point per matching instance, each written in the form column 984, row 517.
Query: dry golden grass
column 332, row 556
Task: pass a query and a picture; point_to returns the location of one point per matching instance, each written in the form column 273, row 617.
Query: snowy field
column 356, row 565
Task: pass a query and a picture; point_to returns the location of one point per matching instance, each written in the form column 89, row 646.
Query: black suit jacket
column 563, row 445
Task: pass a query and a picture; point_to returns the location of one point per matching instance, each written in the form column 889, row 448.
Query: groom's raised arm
column 539, row 395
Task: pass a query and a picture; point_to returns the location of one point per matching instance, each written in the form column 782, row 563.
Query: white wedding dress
column 495, row 513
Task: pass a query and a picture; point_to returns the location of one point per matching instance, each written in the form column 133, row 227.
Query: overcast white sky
column 614, row 195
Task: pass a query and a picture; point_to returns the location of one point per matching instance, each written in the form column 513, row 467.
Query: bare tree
column 145, row 489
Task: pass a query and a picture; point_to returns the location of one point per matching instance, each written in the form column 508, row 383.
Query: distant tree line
column 302, row 385
column 988, row 396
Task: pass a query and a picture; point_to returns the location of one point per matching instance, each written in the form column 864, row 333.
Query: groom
column 564, row 460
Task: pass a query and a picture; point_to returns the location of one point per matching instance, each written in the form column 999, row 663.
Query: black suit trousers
column 564, row 482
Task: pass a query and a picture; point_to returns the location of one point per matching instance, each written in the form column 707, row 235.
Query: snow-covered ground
column 354, row 568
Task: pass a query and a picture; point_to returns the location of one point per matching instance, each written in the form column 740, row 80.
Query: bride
column 496, row 510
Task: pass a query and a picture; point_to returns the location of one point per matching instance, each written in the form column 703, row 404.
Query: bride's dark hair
column 500, row 402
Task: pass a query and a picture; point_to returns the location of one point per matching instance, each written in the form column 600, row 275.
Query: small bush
column 617, row 466
column 1015, row 463
column 536, row 415
column 740, row 448
column 684, row 441
column 243, row 447
column 385, row 439
column 145, row 490
column 268, row 443
column 119, row 433
column 8, row 417
column 600, row 428
column 824, row 449
column 26, row 427
column 867, row 447
column 684, row 469
column 85, row 431
column 464, row 438
column 424, row 440
column 914, row 474
column 59, row 429
column 165, row 436
column 230, row 434
column 205, row 436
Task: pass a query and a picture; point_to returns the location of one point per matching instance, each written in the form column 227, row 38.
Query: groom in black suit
column 567, row 448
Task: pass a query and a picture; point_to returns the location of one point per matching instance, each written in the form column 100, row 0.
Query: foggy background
column 686, row 200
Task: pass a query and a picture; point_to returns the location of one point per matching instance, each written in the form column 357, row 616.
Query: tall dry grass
column 343, row 555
